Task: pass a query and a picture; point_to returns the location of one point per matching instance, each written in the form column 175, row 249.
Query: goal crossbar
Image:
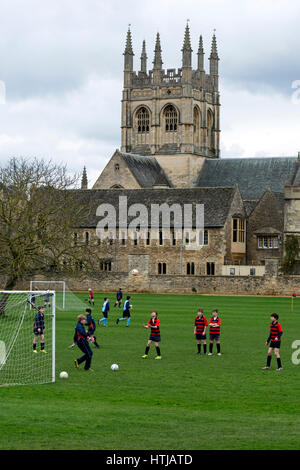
column 52, row 282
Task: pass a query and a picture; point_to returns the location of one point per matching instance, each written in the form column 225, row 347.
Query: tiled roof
column 217, row 201
column 146, row 170
column 253, row 175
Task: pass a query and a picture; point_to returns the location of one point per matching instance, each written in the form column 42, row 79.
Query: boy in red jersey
column 200, row 330
column 214, row 332
column 275, row 340
column 153, row 323
column 91, row 297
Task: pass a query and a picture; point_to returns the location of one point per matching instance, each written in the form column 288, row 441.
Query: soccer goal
column 20, row 335
column 66, row 299
column 58, row 286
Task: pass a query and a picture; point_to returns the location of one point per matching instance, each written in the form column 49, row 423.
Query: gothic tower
column 172, row 114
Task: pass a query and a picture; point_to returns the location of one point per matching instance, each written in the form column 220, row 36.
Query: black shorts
column 155, row 338
column 37, row 333
column 126, row 314
column 91, row 331
column 198, row 337
column 105, row 314
column 275, row 344
column 214, row 337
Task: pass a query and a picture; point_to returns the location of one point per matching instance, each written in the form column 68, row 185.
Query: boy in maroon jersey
column 153, row 323
column 214, row 332
column 200, row 330
column 91, row 297
column 275, row 340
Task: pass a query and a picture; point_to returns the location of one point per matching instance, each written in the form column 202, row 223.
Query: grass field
column 182, row 402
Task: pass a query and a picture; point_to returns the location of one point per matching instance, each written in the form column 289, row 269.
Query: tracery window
column 143, row 120
column 171, row 119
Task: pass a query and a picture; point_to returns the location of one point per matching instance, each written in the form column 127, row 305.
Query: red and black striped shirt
column 215, row 330
column 153, row 322
column 200, row 324
column 275, row 331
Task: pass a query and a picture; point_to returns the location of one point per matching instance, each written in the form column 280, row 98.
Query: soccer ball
column 114, row 367
column 134, row 272
column 63, row 375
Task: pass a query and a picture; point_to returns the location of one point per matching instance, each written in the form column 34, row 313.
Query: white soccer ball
column 114, row 367
column 134, row 272
column 63, row 375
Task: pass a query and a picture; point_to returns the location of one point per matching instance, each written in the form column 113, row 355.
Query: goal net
column 58, row 286
column 22, row 331
column 65, row 299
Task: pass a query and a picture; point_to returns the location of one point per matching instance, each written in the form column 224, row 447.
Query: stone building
column 170, row 154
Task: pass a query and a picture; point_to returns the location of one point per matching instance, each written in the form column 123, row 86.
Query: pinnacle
column 187, row 40
column 157, row 54
column 128, row 47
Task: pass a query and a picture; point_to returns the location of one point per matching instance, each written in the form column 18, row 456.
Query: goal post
column 27, row 339
column 58, row 286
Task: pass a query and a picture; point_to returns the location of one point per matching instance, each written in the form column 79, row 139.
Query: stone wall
column 176, row 284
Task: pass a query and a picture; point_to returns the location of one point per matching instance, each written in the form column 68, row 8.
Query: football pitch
column 183, row 402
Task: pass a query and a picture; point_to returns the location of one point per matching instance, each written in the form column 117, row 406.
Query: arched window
column 171, row 119
column 143, row 121
column 196, row 127
column 210, row 124
column 162, row 268
column 190, row 269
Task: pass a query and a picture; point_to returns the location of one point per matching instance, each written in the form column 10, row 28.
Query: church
column 170, row 153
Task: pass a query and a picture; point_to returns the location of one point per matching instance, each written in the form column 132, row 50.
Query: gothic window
column 210, row 123
column 190, row 269
column 162, row 268
column 171, row 119
column 143, row 121
column 105, row 266
column 196, row 127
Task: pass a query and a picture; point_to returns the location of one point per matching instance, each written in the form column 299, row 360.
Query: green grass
column 182, row 402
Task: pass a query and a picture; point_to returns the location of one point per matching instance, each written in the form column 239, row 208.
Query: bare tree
column 39, row 212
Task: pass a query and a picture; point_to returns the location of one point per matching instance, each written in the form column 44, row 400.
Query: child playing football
column 91, row 297
column 119, row 298
column 91, row 327
column 47, row 299
column 105, row 310
column 82, row 342
column 126, row 311
column 214, row 332
column 275, row 340
column 200, row 330
column 153, row 323
column 38, row 330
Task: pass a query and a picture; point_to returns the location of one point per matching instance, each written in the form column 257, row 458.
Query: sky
column 61, row 72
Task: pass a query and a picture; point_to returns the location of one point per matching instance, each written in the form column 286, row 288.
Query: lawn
column 182, row 402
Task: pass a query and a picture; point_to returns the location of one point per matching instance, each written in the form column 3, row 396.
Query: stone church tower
column 172, row 115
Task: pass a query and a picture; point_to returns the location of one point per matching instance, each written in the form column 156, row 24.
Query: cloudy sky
column 61, row 65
